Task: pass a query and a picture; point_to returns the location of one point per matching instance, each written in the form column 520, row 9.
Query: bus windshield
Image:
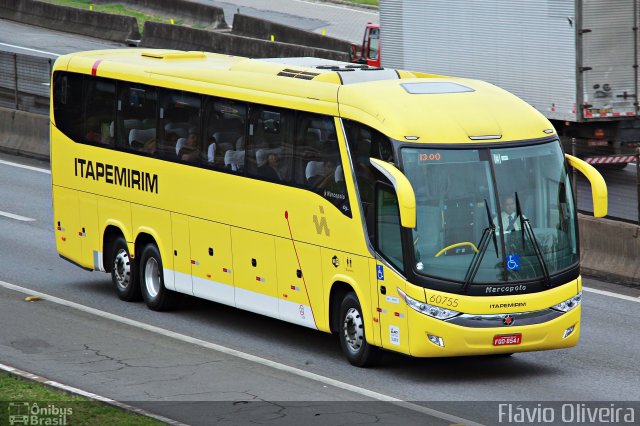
column 509, row 211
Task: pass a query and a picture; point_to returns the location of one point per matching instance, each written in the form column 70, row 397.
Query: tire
column 123, row 271
column 351, row 334
column 154, row 293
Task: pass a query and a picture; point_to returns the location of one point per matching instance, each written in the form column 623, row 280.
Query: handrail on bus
column 404, row 191
column 598, row 185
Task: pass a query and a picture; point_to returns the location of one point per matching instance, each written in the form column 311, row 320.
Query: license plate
column 597, row 142
column 507, row 339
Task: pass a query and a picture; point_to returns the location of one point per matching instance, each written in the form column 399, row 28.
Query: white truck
column 576, row 61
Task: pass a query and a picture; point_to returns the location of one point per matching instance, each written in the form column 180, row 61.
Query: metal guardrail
column 25, row 82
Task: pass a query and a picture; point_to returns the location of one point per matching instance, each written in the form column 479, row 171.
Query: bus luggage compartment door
column 181, row 253
column 211, row 261
column 254, row 266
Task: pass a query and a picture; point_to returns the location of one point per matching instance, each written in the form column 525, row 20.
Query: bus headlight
column 568, row 304
column 427, row 309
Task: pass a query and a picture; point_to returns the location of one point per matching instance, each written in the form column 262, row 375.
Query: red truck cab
column 369, row 52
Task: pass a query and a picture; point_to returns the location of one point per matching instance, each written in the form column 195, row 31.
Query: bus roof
column 407, row 106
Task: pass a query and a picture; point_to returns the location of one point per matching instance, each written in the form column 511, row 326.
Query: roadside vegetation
column 21, row 397
column 117, row 9
column 369, row 2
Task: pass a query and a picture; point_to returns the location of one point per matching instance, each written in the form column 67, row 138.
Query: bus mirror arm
column 404, row 191
column 598, row 185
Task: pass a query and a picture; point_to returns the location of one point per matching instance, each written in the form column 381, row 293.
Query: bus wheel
column 154, row 293
column 351, row 333
column 123, row 271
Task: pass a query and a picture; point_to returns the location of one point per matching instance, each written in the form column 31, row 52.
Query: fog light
column 568, row 331
column 436, row 340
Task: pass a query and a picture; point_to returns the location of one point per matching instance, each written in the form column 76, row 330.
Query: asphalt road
column 603, row 367
column 38, row 41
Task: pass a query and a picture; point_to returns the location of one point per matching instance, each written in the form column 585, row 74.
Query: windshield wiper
column 482, row 248
column 525, row 226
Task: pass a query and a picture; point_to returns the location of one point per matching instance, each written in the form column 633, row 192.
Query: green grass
column 370, row 2
column 80, row 411
column 117, row 9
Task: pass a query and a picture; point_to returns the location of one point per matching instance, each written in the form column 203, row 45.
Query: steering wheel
column 461, row 244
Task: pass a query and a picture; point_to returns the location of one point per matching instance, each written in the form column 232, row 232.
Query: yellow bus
column 423, row 214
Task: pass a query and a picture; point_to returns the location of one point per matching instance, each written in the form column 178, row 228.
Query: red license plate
column 507, row 339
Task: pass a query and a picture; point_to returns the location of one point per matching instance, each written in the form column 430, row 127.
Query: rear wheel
column 154, row 293
column 123, row 271
column 352, row 336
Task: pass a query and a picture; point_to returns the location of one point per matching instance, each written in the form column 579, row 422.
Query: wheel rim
column 152, row 277
column 352, row 329
column 122, row 269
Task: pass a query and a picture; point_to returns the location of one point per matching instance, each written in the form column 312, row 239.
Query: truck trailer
column 576, row 61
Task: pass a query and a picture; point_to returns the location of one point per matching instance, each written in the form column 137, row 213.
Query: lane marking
column 246, row 356
column 16, row 217
column 89, row 395
column 612, row 294
column 22, row 166
column 31, row 50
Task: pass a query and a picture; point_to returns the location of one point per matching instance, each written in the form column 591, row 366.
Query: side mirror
column 404, row 191
column 598, row 185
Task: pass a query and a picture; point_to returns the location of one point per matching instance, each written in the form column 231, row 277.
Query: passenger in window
column 149, row 146
column 190, row 151
column 94, row 132
column 269, row 170
column 325, row 179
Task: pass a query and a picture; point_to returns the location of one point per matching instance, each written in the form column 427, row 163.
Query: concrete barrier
column 24, row 133
column 211, row 16
column 250, row 26
column 70, row 19
column 610, row 249
column 165, row 36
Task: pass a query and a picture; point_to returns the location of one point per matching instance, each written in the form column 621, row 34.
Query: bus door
column 181, row 253
column 393, row 311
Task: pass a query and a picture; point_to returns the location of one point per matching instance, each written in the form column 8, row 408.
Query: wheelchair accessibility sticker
column 380, row 272
column 513, row 262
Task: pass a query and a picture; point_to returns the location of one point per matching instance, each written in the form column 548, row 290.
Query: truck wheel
column 123, row 271
column 351, row 333
column 154, row 293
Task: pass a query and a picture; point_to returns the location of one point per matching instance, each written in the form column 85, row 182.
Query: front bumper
column 463, row 341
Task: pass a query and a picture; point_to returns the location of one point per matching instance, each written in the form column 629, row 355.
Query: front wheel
column 351, row 333
column 154, row 293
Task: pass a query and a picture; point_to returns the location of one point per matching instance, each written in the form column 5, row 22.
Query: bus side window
column 99, row 111
column 67, row 104
column 137, row 111
column 179, row 121
column 317, row 161
column 364, row 143
column 226, row 127
column 270, row 147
